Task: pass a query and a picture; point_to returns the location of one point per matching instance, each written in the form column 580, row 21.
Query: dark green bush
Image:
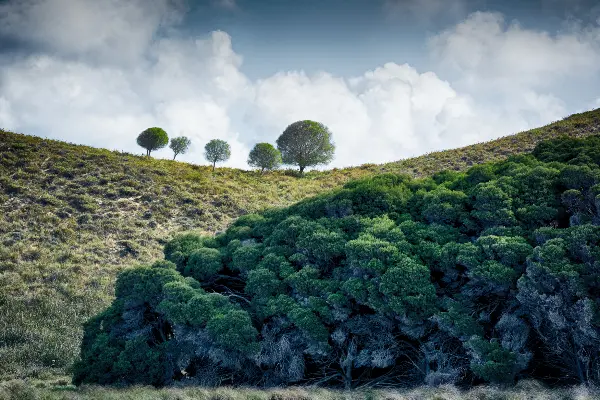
column 485, row 276
column 203, row 263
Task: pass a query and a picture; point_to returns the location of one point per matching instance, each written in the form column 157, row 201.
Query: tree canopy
column 305, row 144
column 217, row 150
column 153, row 139
column 180, row 145
column 265, row 157
column 488, row 275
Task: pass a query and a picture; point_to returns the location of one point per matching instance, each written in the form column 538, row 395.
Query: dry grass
column 71, row 217
column 528, row 390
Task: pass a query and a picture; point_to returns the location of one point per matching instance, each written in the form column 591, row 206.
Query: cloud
column 106, row 31
column 380, row 116
column 520, row 73
column 483, row 48
column 502, row 83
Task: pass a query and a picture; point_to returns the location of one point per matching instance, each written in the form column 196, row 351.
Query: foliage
column 305, row 144
column 153, row 139
column 265, row 157
column 217, row 150
column 73, row 216
column 180, row 145
column 486, row 276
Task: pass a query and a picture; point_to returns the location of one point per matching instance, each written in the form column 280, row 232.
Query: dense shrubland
column 489, row 275
column 72, row 217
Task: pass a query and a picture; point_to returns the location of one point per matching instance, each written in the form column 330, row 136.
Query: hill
column 73, row 216
column 483, row 276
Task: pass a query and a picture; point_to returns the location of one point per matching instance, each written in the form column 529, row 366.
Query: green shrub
column 461, row 273
column 203, row 263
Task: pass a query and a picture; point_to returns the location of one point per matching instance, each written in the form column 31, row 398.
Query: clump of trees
column 488, row 275
column 303, row 143
column 153, row 139
column 217, row 150
column 180, row 145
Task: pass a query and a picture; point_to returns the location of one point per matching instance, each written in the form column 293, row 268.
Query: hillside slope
column 72, row 216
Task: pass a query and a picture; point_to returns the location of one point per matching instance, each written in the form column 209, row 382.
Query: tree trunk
column 348, row 378
column 347, row 375
column 174, row 155
column 148, row 153
column 214, row 163
column 579, row 367
column 346, row 365
column 302, row 169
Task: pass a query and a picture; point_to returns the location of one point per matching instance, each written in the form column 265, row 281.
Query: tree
column 217, row 150
column 180, row 145
column 264, row 156
column 306, row 143
column 153, row 139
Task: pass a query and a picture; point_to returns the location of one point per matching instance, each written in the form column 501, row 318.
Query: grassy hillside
column 73, row 216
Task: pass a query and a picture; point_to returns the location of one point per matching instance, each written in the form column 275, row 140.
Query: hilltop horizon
column 392, row 79
column 167, row 154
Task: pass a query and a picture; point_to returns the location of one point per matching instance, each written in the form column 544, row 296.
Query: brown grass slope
column 57, row 390
column 72, row 216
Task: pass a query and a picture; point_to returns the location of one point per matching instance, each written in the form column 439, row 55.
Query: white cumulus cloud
column 109, row 31
column 488, row 50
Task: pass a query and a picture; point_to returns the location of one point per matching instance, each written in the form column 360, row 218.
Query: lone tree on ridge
column 180, row 145
column 217, row 150
column 153, row 139
column 265, row 157
column 305, row 144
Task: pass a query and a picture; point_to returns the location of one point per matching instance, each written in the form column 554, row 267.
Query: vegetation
column 180, row 145
column 483, row 276
column 73, row 216
column 217, row 150
column 306, row 144
column 153, row 139
column 265, row 157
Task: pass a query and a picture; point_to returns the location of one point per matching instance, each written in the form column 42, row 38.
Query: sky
column 390, row 78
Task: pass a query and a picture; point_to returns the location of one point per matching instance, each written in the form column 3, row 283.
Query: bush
column 203, row 263
column 486, row 276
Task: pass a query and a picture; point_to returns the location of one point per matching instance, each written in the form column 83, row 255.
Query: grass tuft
column 59, row 390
